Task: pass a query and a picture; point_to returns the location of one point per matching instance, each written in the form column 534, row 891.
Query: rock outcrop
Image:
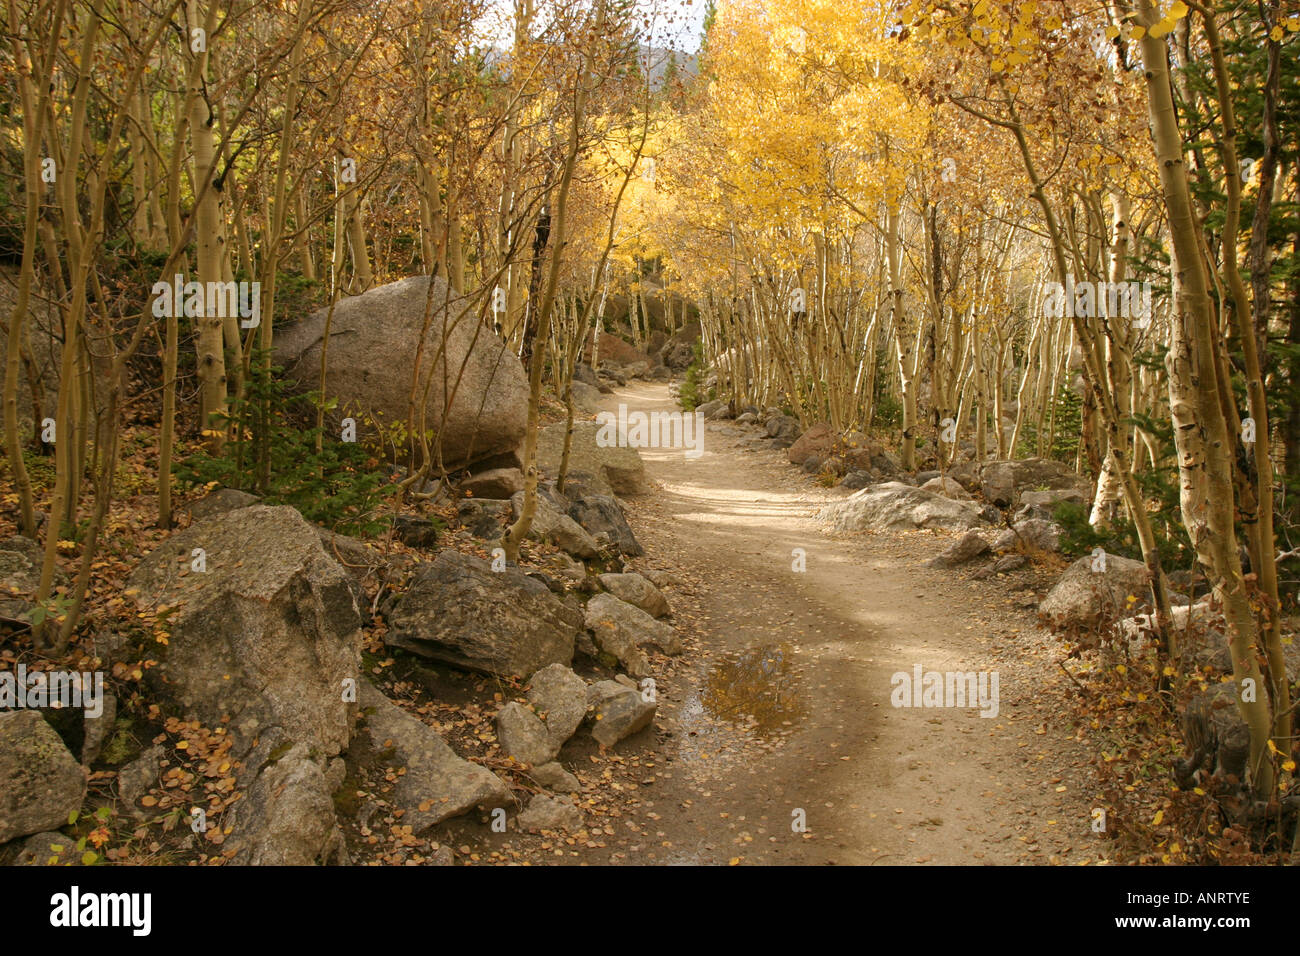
column 265, row 635
column 459, row 611
column 40, row 781
column 374, row 340
column 894, row 506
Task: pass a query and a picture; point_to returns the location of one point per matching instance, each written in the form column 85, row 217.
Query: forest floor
column 776, row 740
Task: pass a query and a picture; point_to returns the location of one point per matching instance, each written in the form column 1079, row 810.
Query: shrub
column 1159, row 487
column 336, row 486
column 688, row 396
column 1067, row 413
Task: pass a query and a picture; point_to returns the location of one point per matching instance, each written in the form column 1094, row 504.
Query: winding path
column 780, row 713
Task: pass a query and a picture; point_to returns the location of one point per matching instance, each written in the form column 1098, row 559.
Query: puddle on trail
column 756, row 689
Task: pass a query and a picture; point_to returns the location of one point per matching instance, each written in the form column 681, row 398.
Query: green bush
column 886, row 408
column 1067, row 412
column 1159, row 487
column 887, row 413
column 688, row 396
column 332, row 487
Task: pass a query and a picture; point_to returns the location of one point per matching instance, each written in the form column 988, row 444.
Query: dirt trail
column 782, row 708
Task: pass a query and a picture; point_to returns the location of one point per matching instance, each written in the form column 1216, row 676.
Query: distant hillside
column 654, row 62
column 659, row 62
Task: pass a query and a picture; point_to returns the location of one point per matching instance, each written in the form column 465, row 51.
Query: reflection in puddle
column 756, row 689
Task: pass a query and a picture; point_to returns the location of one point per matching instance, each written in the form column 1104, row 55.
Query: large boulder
column 586, row 398
column 998, row 483
column 287, row 817
column 617, row 711
column 887, row 464
column 484, row 518
column 605, row 612
column 678, row 353
column 1046, row 474
column 782, row 429
column 545, row 813
column 266, row 636
column 860, row 451
column 523, row 736
column 1032, row 533
column 949, row 487
column 622, row 630
column 219, row 502
column 1049, row 499
column 494, row 483
column 552, row 525
column 1089, row 594
column 663, row 579
column 40, row 781
column 818, row 441
column 677, row 356
column 416, row 531
column 459, row 611
column 620, row 351
column 1003, row 565
column 894, row 506
column 1005, row 483
column 966, row 474
column 533, row 733
column 602, row 517
column 437, row 783
column 374, row 340
column 636, row 590
column 967, row 548
column 559, row 697
column 1200, row 636
column 615, row 469
column 554, row 777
